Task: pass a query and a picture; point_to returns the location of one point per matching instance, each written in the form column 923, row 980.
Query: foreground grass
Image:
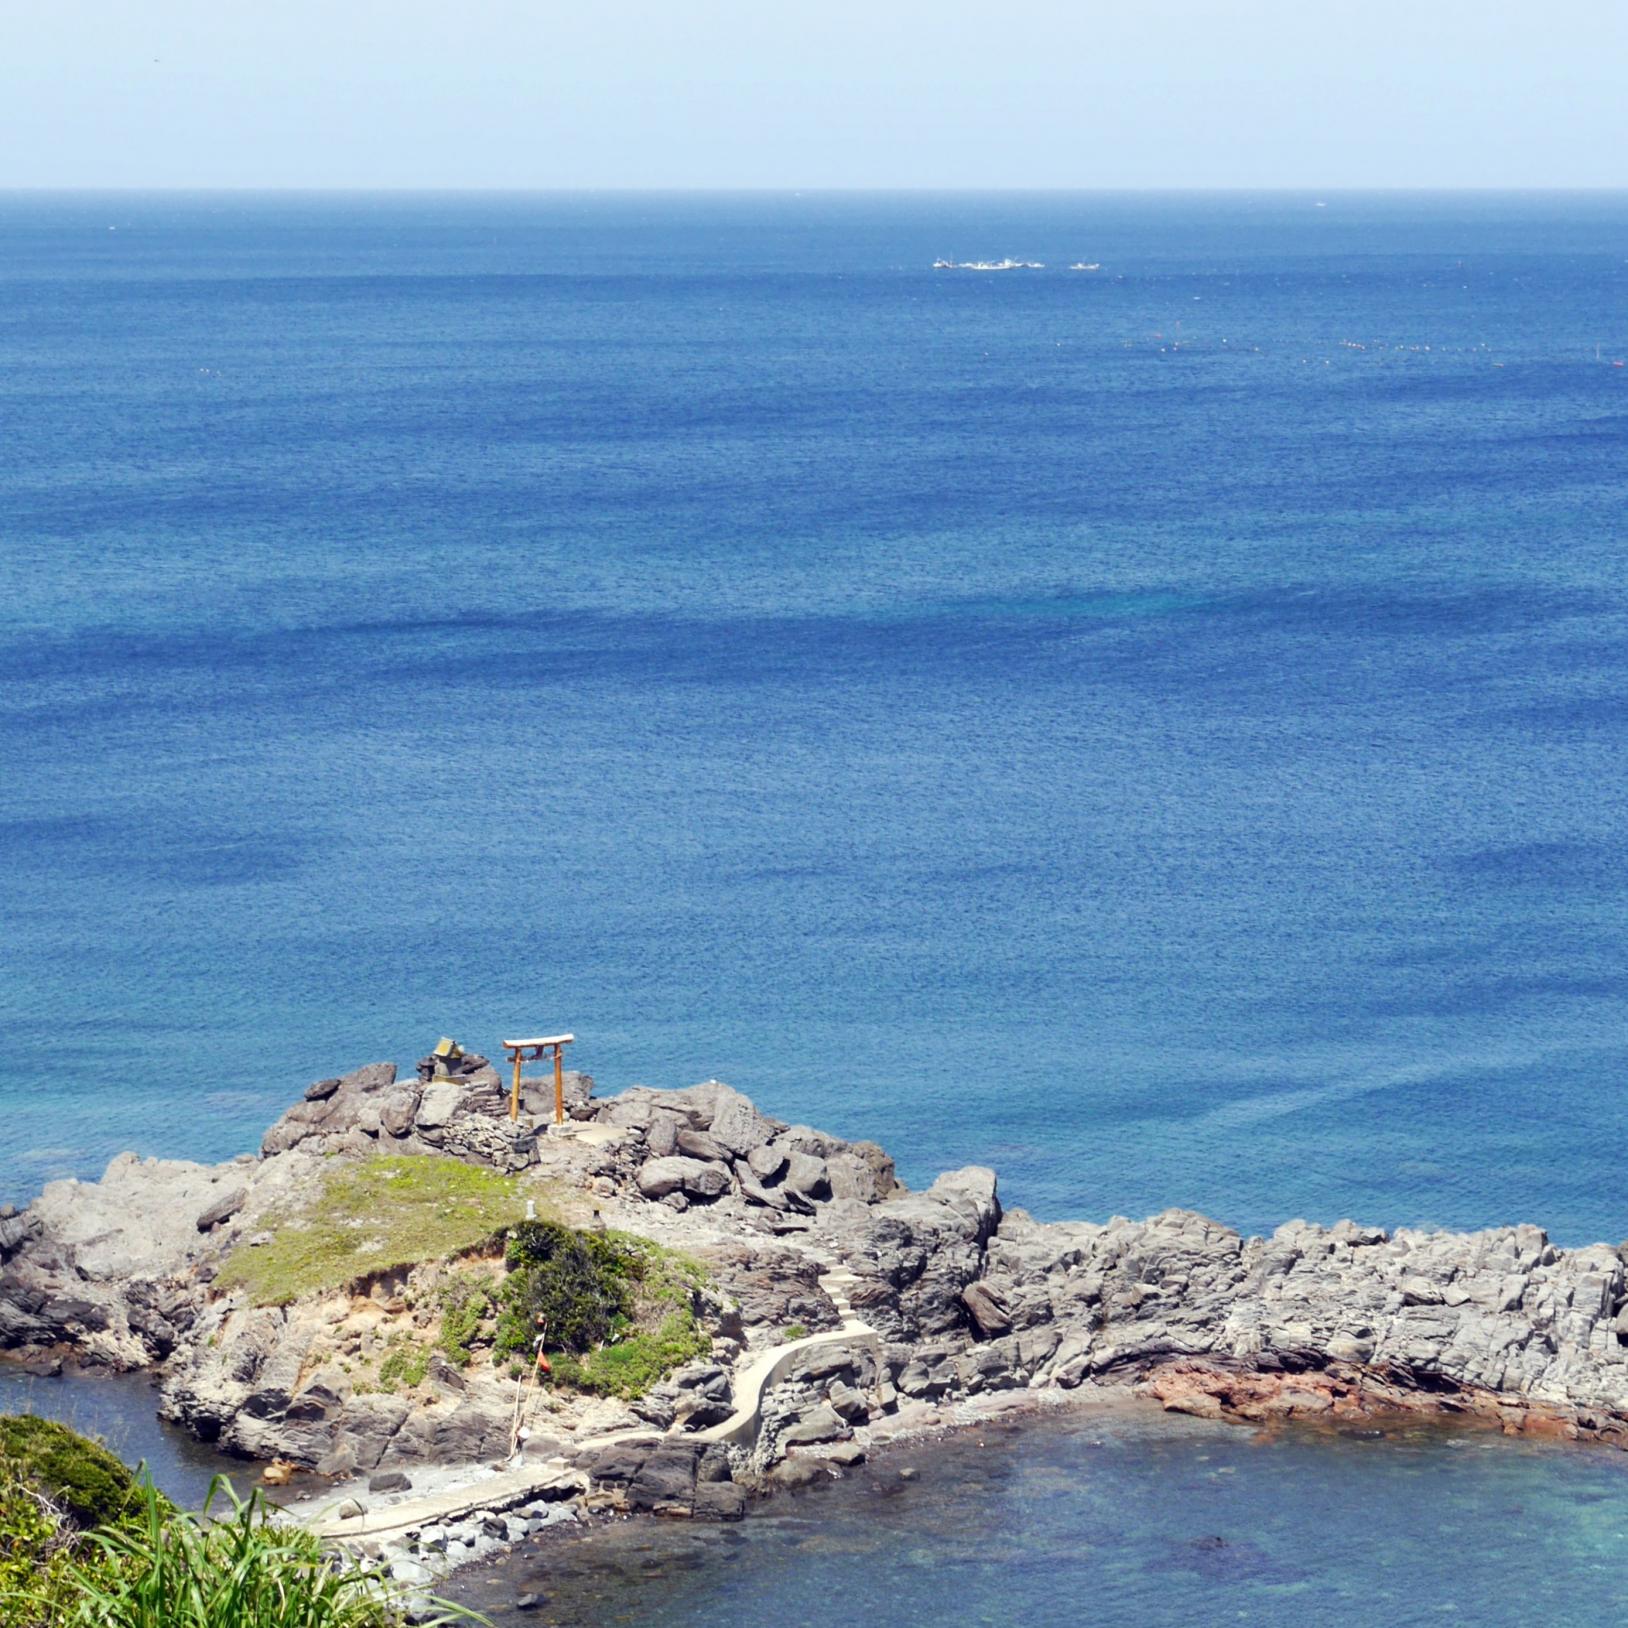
column 141, row 1563
column 84, row 1481
column 368, row 1217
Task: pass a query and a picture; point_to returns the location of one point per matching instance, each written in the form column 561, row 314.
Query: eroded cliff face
column 957, row 1297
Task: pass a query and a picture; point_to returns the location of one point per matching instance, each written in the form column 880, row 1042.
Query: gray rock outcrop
column 959, row 1296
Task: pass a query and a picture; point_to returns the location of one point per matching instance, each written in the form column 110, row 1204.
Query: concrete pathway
column 504, row 1489
column 765, row 1367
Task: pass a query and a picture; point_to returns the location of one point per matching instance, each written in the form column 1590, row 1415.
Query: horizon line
column 791, row 190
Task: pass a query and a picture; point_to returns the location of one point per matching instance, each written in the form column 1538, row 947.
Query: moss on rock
column 81, row 1478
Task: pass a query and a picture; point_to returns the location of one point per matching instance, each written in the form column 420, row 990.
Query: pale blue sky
column 850, row 93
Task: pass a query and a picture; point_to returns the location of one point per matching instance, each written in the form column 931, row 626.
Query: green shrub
column 85, row 1480
column 793, row 1331
column 621, row 1310
column 581, row 1283
column 638, row 1360
column 465, row 1303
column 405, row 1363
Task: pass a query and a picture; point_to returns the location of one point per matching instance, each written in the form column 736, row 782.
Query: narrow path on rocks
column 504, row 1489
column 765, row 1367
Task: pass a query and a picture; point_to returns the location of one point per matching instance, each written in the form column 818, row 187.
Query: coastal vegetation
column 384, row 1212
column 87, row 1543
column 620, row 1309
column 618, row 1312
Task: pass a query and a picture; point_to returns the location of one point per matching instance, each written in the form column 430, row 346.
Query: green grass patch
column 465, row 1304
column 621, row 1312
column 384, row 1212
column 793, row 1331
column 86, row 1481
column 636, row 1360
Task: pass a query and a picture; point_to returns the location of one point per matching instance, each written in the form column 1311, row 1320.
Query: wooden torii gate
column 542, row 1046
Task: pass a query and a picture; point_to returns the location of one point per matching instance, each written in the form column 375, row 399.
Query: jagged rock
column 820, row 1424
column 770, row 1197
column 766, row 1161
column 659, row 1177
column 774, row 1287
column 699, row 1145
column 806, row 1176
column 223, row 1209
column 335, row 1113
column 847, row 1403
column 436, row 1105
column 733, row 1121
column 861, row 1171
column 989, row 1308
column 398, row 1111
column 1332, row 1322
column 662, row 1136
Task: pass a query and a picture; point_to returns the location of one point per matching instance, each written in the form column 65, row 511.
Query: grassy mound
column 85, row 1481
column 621, row 1310
column 368, row 1217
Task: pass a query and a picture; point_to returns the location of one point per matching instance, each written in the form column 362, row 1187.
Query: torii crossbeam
column 541, row 1046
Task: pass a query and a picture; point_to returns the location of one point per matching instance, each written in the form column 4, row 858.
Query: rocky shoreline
column 839, row 1309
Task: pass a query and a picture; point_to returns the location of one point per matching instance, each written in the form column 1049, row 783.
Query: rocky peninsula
column 335, row 1303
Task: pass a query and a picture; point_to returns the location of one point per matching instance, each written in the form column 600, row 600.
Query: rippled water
column 1137, row 1522
column 1163, row 732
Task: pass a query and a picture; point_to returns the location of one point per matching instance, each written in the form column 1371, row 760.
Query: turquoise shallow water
column 1146, row 1522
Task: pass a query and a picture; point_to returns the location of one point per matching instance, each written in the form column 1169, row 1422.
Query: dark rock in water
column 802, row 1472
column 714, row 1466
column 389, row 1481
column 665, row 1482
column 719, row 1501
column 41, row 1364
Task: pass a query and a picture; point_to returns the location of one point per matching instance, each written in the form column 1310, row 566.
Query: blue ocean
column 1158, row 729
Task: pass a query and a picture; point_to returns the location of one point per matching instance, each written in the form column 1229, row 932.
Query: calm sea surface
column 1139, row 1523
column 1159, row 730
